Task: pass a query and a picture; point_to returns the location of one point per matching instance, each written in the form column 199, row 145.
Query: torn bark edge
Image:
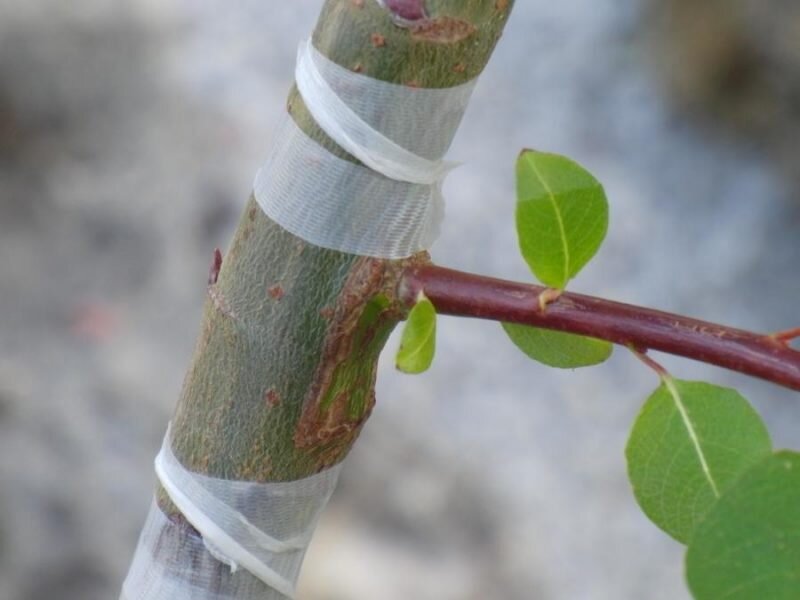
column 327, row 427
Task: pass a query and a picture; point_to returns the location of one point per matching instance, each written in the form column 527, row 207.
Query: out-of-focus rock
column 737, row 64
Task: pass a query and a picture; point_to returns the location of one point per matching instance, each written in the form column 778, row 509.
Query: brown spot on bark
column 413, row 84
column 460, row 67
column 501, row 4
column 272, row 398
column 442, row 30
column 326, row 313
column 358, row 68
column 252, row 214
column 357, row 3
column 377, row 40
column 276, row 292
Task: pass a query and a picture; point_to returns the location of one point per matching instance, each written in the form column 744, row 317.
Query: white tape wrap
column 260, row 532
column 391, row 206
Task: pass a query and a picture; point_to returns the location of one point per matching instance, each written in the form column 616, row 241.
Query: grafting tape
column 390, row 205
column 262, row 528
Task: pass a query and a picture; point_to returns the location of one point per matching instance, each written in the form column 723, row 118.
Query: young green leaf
column 562, row 216
column 749, row 544
column 688, row 444
column 418, row 344
column 558, row 349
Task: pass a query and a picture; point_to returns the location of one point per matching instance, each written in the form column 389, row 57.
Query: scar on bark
column 443, row 30
column 318, row 426
column 272, row 398
column 328, row 424
column 276, row 292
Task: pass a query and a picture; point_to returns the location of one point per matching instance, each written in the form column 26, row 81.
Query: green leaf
column 558, row 349
column 689, row 443
column 748, row 547
column 562, row 216
column 418, row 343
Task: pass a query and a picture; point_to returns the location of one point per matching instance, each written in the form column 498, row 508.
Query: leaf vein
column 673, row 391
column 559, row 220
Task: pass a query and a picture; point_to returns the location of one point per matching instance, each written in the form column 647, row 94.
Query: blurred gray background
column 130, row 132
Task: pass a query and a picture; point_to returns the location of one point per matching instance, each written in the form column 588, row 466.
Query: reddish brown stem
column 468, row 295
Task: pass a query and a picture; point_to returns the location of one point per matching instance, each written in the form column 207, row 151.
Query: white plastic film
column 390, row 206
column 342, row 206
column 253, row 536
column 330, row 105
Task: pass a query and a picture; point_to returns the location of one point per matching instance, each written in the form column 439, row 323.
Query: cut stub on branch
column 407, row 10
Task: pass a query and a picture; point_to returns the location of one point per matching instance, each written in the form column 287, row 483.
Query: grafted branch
column 282, row 378
column 455, row 293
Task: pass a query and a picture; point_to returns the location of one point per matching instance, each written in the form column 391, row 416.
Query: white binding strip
column 335, row 204
column 188, row 497
column 354, row 135
column 228, row 535
column 389, row 206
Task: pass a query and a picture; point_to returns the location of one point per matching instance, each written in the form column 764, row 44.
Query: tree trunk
column 282, row 378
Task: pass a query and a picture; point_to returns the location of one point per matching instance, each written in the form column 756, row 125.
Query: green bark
column 281, row 306
column 282, row 378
